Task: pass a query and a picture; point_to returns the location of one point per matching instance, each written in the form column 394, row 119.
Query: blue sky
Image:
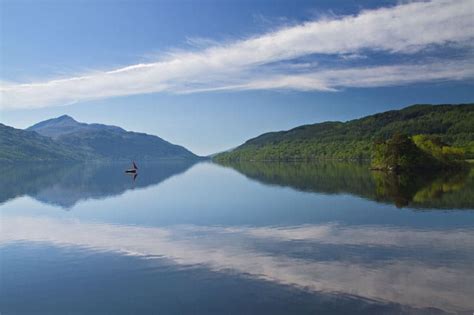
column 210, row 74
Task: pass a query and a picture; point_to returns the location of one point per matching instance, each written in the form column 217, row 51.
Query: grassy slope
column 353, row 139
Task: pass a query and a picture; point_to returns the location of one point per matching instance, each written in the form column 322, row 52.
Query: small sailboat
column 133, row 169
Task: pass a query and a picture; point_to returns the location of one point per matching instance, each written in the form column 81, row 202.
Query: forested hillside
column 354, row 139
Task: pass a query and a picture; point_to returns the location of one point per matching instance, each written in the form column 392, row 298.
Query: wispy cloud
column 403, row 29
column 331, row 80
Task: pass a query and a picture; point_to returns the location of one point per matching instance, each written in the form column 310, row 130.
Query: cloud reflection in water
column 411, row 280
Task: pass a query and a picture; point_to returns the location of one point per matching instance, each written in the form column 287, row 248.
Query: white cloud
column 402, row 29
column 330, row 80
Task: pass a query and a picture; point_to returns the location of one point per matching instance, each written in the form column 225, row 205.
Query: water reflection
column 443, row 190
column 65, row 184
column 213, row 238
column 299, row 256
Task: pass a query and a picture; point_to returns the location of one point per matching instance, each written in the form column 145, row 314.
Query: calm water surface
column 201, row 238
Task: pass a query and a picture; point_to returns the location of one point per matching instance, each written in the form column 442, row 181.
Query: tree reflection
column 453, row 189
column 439, row 190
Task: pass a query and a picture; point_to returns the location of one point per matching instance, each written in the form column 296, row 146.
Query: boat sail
column 133, row 169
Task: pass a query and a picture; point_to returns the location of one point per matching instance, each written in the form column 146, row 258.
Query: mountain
column 110, row 142
column 64, row 138
column 21, row 145
column 354, row 139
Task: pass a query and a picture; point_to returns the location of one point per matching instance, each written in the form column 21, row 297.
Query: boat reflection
column 65, row 184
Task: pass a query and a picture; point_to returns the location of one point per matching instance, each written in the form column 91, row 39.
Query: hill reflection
column 65, row 184
column 443, row 190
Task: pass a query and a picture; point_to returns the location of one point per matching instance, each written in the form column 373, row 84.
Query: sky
column 211, row 74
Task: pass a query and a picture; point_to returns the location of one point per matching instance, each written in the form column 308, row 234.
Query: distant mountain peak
column 58, row 126
column 58, row 121
column 62, row 118
column 65, row 124
column 65, row 117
